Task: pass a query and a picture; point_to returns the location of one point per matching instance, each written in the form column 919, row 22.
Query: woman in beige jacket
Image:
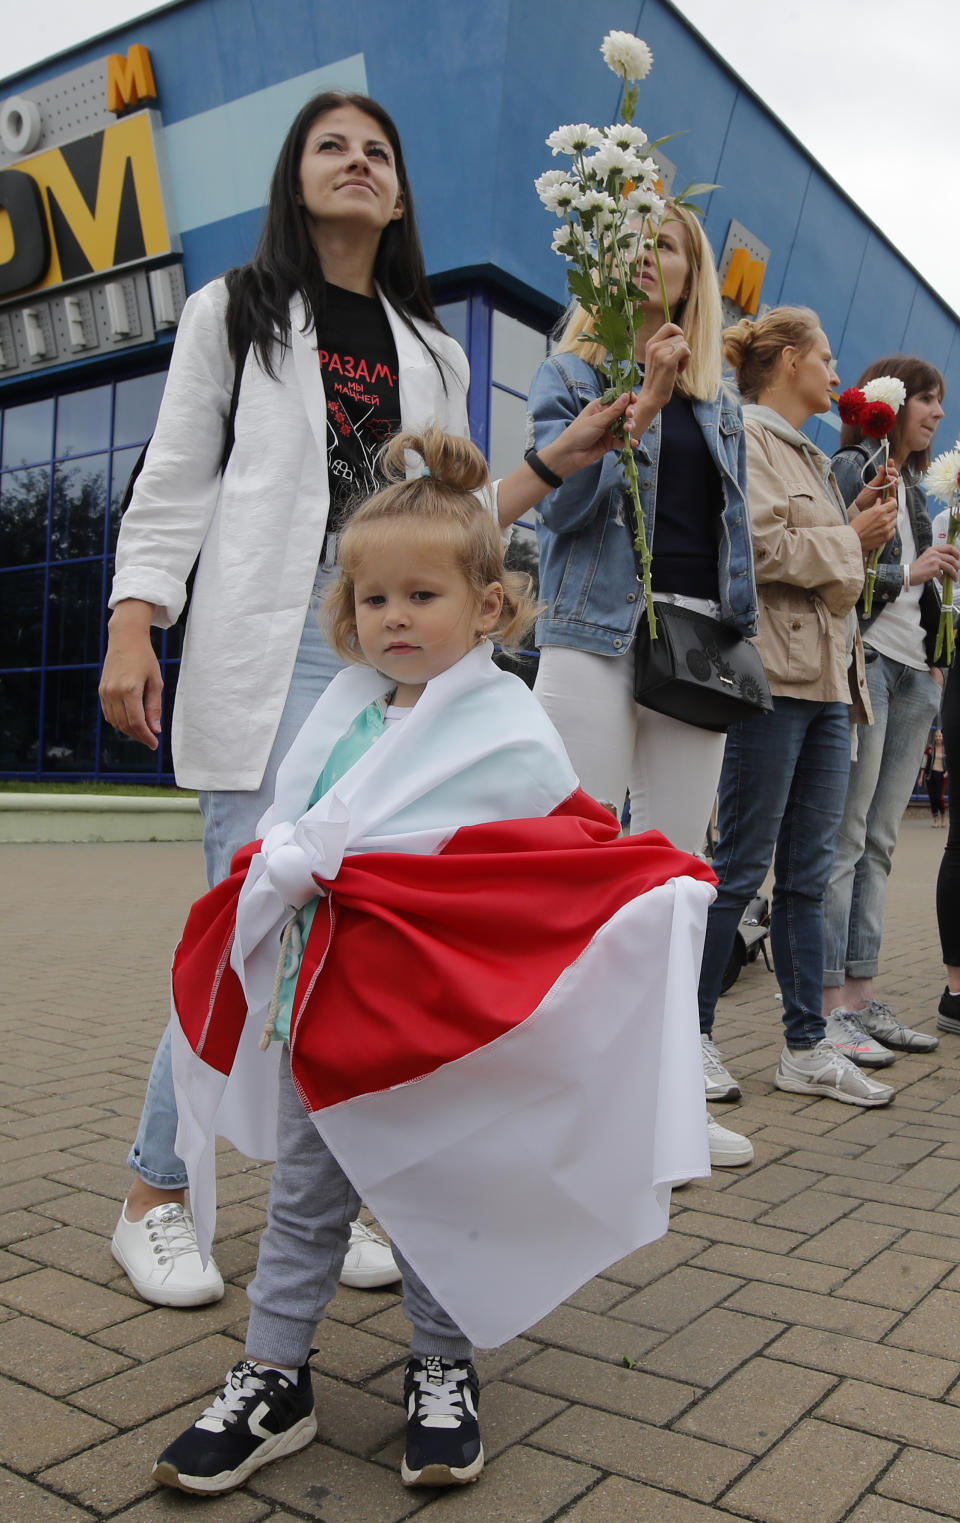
column 784, row 774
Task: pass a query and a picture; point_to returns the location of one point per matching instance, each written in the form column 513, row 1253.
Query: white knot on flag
column 293, row 854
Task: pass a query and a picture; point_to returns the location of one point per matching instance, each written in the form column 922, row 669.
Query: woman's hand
column 887, row 476
column 666, row 357
column 130, row 683
column 875, row 525
column 936, row 560
column 588, row 437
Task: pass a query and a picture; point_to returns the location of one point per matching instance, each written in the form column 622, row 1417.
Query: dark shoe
column 949, row 1008
column 443, row 1436
column 260, row 1417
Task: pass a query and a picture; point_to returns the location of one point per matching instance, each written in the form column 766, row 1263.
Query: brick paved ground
column 790, row 1353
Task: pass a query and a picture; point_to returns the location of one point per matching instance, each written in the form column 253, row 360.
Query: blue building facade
column 98, row 250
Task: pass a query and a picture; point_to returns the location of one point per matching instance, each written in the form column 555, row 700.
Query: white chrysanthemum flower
column 611, row 157
column 626, row 55
column 549, row 178
column 576, row 138
column 941, row 476
column 563, row 242
column 886, row 388
column 643, row 202
column 595, row 201
column 625, row 135
column 557, row 197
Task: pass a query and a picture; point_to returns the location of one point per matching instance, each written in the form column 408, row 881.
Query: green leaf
column 695, row 188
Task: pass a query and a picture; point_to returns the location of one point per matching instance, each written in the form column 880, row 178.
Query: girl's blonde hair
column 700, row 315
column 753, row 346
column 439, row 507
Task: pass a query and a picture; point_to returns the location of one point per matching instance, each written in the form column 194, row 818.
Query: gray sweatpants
column 309, row 1211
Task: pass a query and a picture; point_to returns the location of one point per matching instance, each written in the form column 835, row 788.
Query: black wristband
column 539, row 468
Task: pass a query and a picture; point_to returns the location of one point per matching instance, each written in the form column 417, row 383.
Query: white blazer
column 258, row 532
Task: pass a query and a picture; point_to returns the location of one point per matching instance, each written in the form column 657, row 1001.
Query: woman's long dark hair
column 258, row 311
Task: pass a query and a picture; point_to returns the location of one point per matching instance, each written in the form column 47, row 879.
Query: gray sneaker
column 846, row 1030
column 719, row 1084
column 824, row 1070
column 880, row 1021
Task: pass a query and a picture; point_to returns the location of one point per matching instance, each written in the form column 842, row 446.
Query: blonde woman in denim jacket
column 689, row 437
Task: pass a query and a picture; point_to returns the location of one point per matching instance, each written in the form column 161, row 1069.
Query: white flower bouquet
column 610, row 204
column 942, row 481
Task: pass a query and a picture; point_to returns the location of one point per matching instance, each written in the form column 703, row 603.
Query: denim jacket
column 588, row 576
column 853, row 465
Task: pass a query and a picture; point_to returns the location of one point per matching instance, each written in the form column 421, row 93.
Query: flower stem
column 640, row 539
column 874, row 559
column 663, row 287
column 945, row 636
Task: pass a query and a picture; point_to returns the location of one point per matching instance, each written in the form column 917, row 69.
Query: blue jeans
column 229, row 822
column 890, row 750
column 782, row 788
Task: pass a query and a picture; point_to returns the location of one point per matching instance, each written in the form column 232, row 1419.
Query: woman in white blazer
column 334, row 329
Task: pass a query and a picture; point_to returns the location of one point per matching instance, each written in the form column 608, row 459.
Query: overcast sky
column 869, row 86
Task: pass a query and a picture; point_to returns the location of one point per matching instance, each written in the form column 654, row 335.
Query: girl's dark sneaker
column 443, row 1437
column 948, row 1018
column 261, row 1416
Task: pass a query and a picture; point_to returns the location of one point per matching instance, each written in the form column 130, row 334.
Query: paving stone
column 756, row 1406
column 810, row 1211
column 899, row 1150
column 896, row 1279
column 599, row 1337
column 68, row 1301
column 15, row 1226
column 523, row 1486
column 599, row 1296
column 22, row 1502
column 616, row 1500
column 930, row 1480
column 165, row 1506
column 871, row 1361
column 704, row 1196
column 198, row 1370
column 813, row 1476
column 887, row 1194
column 647, row 1264
column 355, row 1420
column 939, row 1175
column 753, row 1264
column 677, row 1298
column 848, row 1243
column 74, row 1251
column 776, row 1183
column 894, row 1414
column 160, row 1329
column 906, row 1217
column 595, row 1383
column 829, row 1312
column 880, row 1510
column 933, row 1328
column 38, row 1430
column 673, row 1460
column 52, row 1360
column 349, row 1353
column 717, row 1229
column 711, row 1347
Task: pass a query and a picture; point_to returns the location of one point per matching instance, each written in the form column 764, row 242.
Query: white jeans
column 671, row 769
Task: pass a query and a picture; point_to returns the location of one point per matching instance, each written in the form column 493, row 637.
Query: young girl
column 457, row 994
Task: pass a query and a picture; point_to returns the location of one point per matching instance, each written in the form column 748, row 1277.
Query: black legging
column 935, row 792
column 948, row 880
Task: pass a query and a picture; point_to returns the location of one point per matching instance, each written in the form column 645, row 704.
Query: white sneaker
column 160, row 1258
column 369, row 1261
column 849, row 1035
column 824, row 1070
column 882, row 1022
column 718, row 1083
column 728, row 1150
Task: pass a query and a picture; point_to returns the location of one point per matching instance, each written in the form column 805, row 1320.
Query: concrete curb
column 76, row 817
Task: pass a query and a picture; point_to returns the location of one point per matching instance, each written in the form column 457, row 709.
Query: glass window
column 28, row 433
column 124, row 461
column 21, row 621
column 453, row 315
column 79, row 498
column 517, row 351
column 74, row 613
column 508, row 417
column 83, row 421
column 19, row 721
column 70, row 721
column 24, row 505
column 137, row 405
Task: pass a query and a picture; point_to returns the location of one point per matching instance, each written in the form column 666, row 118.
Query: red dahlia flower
column 850, row 405
column 877, row 419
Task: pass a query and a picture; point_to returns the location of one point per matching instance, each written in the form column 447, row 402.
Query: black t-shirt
column 689, row 504
column 358, row 361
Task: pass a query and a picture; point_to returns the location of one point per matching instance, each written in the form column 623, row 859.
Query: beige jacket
column 809, row 568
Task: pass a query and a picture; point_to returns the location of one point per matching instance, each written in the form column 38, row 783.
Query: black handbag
column 698, row 670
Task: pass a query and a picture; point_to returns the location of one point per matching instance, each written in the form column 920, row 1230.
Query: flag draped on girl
column 495, row 1021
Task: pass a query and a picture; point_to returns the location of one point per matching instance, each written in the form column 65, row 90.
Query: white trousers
column 671, row 769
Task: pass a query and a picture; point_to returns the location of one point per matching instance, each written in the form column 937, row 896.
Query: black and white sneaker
column 261, row 1416
column 443, row 1436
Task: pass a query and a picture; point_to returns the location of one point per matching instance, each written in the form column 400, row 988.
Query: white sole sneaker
column 718, row 1082
column 824, row 1070
column 160, row 1257
column 369, row 1263
column 846, row 1031
column 728, row 1150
